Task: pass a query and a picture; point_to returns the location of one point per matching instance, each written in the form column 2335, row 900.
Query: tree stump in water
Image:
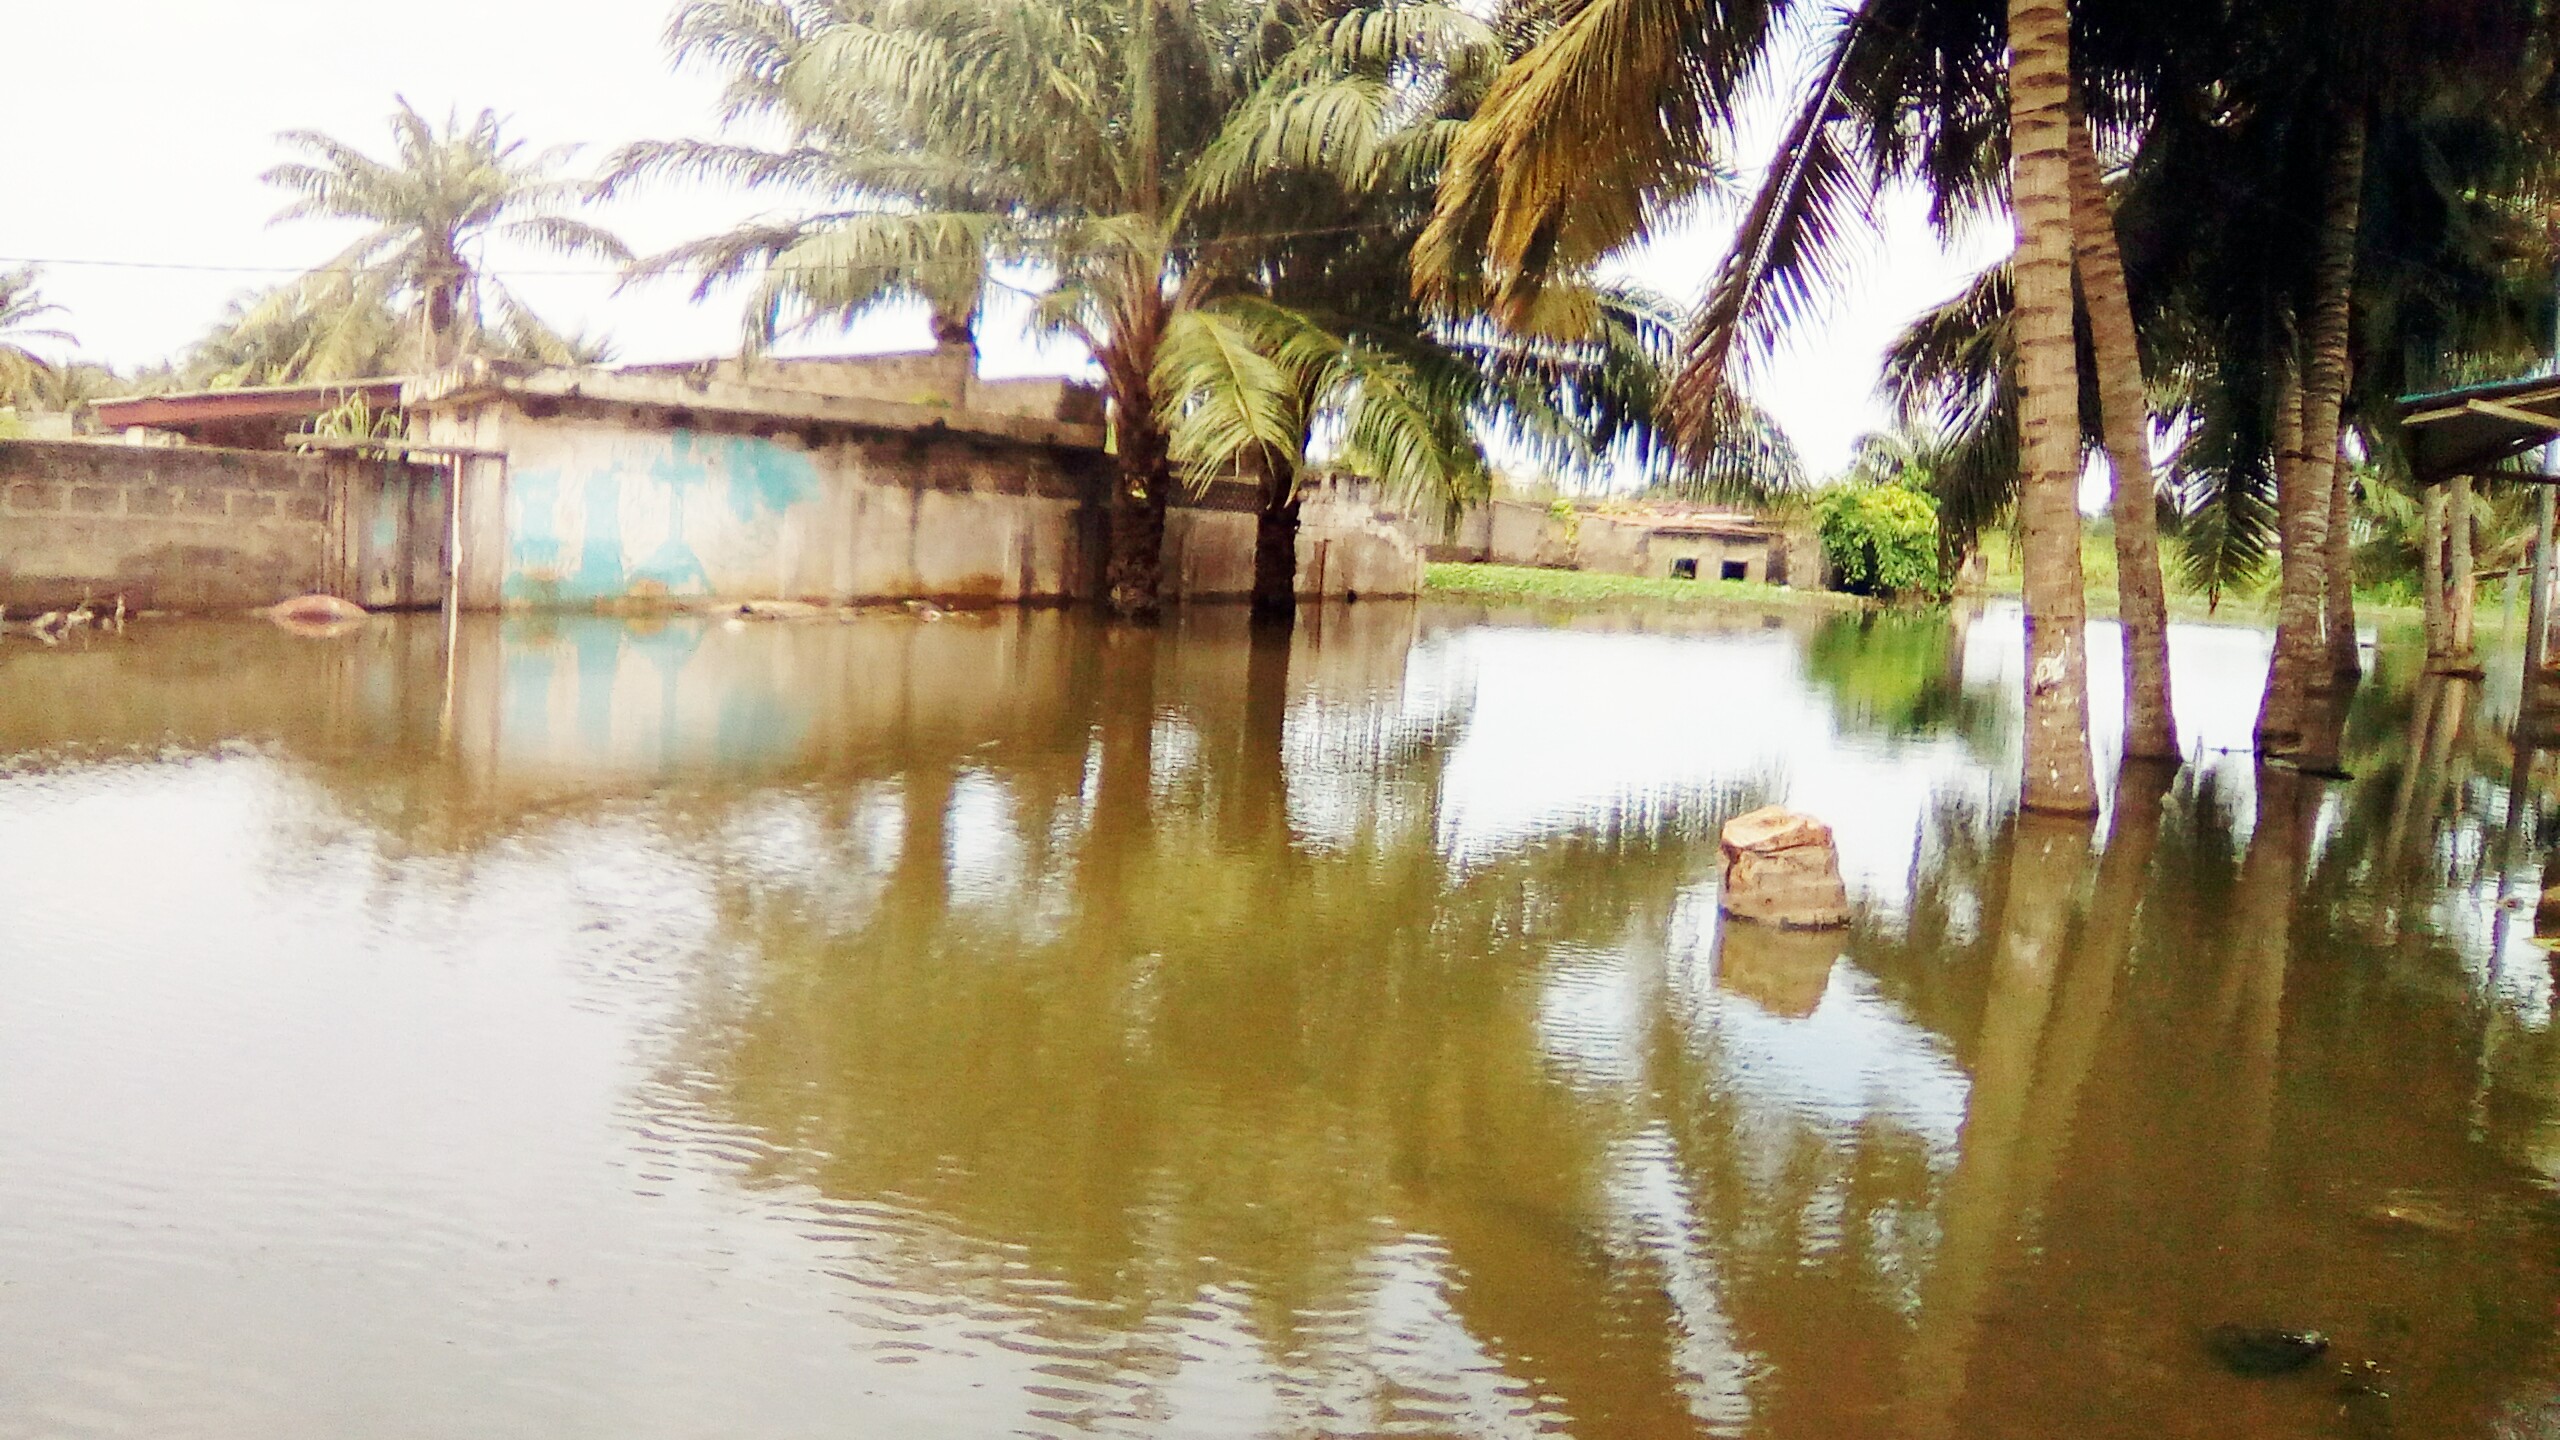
column 1781, row 868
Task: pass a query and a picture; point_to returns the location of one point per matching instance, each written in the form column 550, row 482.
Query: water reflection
column 999, row 1024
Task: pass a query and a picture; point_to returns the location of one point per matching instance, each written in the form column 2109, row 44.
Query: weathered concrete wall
column 1523, row 534
column 601, row 504
column 599, row 507
column 204, row 529
column 944, row 378
column 1623, row 548
column 1425, row 524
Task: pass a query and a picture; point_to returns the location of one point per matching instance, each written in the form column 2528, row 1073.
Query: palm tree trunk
column 1141, row 489
column 2431, row 574
column 1275, row 551
column 2301, row 653
column 2058, row 778
column 2142, row 601
column 2280, row 703
column 2346, row 661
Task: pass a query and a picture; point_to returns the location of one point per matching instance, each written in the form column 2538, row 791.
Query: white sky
column 138, row 130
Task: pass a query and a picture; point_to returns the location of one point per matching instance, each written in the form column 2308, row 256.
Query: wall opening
column 1685, row 568
column 1735, row 570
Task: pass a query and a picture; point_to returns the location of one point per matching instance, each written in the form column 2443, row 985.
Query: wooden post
column 2538, row 611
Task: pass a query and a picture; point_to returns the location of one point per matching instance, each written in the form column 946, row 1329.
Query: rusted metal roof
column 2479, row 428
column 261, row 415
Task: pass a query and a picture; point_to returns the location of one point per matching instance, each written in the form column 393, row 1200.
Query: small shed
column 2478, row 430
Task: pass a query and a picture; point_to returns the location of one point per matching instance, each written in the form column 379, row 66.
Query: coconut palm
column 22, row 370
column 429, row 213
column 1897, row 87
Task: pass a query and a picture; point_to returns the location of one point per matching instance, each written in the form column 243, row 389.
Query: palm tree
column 1333, row 143
column 430, row 211
column 1157, row 166
column 2059, row 778
column 1899, row 90
column 22, row 370
column 339, row 325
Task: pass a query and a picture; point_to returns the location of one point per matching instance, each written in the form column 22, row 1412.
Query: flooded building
column 835, row 481
column 1662, row 540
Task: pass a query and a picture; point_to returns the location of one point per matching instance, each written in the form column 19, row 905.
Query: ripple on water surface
column 1012, row 1027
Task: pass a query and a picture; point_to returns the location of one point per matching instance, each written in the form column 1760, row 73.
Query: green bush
column 1881, row 540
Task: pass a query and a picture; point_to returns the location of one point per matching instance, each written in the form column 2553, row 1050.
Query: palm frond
column 1228, row 405
column 1795, row 242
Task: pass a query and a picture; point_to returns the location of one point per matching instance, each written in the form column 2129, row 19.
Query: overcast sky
column 139, row 128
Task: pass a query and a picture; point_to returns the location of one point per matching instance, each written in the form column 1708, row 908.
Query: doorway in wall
column 1685, row 568
column 1734, row 570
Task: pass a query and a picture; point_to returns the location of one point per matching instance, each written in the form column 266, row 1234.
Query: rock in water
column 1781, row 868
column 317, row 610
column 2258, row 1352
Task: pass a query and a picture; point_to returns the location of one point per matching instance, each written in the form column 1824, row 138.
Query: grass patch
column 1530, row 585
column 2254, row 606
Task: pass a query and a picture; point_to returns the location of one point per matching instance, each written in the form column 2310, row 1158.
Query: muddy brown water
column 1003, row 1026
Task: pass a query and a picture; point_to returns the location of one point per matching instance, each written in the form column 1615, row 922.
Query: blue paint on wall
column 764, row 479
column 533, row 539
column 599, row 571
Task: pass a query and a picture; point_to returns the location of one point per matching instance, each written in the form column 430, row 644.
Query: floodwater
column 999, row 1026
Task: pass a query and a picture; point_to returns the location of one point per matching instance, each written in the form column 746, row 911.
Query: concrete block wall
column 598, row 508
column 184, row 528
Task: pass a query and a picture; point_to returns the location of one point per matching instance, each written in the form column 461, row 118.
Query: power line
column 623, row 272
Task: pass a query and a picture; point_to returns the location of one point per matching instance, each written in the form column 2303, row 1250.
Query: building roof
column 2479, row 427
column 1661, row 518
column 690, row 391
column 259, row 415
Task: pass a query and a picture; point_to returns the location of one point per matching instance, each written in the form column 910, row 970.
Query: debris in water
column 2258, row 1351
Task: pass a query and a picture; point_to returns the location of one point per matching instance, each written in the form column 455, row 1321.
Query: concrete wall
column 1622, row 548
column 204, row 529
column 945, row 378
column 612, row 508
column 612, row 505
column 1526, row 534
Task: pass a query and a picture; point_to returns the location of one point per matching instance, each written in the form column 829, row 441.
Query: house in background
column 1662, row 539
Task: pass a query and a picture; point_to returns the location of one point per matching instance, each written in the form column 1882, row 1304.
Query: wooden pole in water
column 2538, row 611
column 2537, row 639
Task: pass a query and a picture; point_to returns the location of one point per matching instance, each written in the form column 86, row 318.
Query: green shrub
column 1881, row 540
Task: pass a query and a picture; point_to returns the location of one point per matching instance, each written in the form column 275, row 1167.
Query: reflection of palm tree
column 2087, row 996
column 1172, row 1073
column 1988, row 1192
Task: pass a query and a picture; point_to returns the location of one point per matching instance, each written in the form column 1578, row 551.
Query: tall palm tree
column 1899, row 90
column 2059, row 777
column 22, row 370
column 1161, row 168
column 429, row 213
